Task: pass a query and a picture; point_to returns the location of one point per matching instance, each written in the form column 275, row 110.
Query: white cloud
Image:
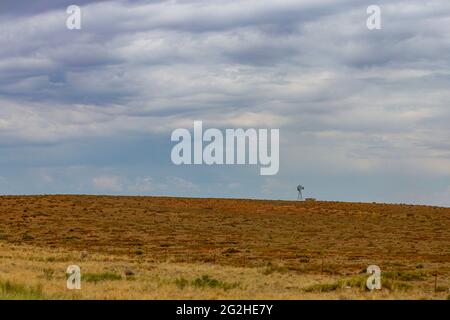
column 107, row 183
column 143, row 185
column 179, row 184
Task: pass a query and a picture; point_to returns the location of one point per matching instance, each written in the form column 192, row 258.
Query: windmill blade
column 299, row 189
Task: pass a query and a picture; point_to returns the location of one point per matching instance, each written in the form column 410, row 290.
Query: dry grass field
column 180, row 248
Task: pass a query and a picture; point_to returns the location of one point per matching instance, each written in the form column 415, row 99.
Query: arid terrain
column 180, row 248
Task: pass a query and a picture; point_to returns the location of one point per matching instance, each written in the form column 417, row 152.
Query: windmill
column 300, row 188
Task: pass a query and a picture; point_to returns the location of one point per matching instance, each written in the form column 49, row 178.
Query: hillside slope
column 155, row 227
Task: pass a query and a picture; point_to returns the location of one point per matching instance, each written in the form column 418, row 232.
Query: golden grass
column 26, row 269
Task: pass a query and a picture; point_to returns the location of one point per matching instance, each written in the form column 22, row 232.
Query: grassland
column 179, row 248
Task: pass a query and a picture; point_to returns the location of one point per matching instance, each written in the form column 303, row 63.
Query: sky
column 363, row 114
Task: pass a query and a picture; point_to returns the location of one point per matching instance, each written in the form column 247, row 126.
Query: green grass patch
column 359, row 282
column 205, row 281
column 48, row 273
column 272, row 268
column 395, row 285
column 97, row 277
column 441, row 289
column 14, row 291
column 181, row 283
column 355, row 282
column 325, row 287
column 404, row 275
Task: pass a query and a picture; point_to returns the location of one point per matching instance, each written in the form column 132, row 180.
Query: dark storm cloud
column 27, row 7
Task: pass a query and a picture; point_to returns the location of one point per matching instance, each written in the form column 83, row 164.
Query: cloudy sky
column 363, row 114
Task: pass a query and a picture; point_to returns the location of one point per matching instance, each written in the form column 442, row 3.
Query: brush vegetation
column 175, row 248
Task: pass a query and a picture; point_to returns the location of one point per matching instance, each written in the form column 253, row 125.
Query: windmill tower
column 300, row 188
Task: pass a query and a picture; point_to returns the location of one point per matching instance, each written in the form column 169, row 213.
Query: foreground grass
column 28, row 272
